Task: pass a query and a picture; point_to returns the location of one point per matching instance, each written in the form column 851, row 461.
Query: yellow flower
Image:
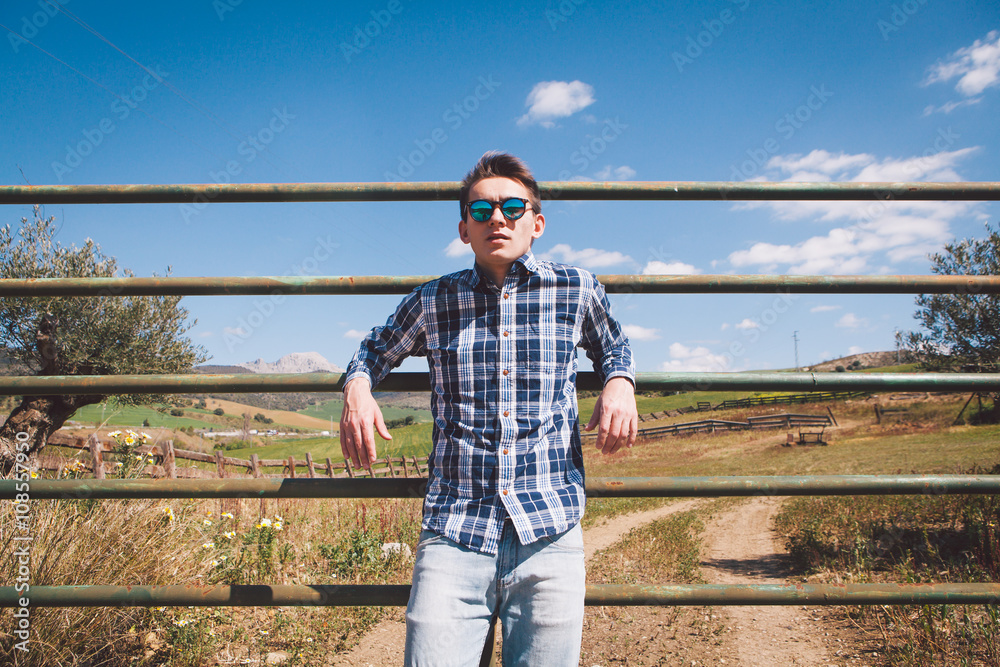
column 229, row 535
column 208, row 545
column 34, row 475
column 264, row 523
column 227, row 515
column 129, row 440
column 263, row 632
column 146, row 436
column 114, row 434
column 215, row 563
column 277, row 526
column 207, row 522
column 181, row 622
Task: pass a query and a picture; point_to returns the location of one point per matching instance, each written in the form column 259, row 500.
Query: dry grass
column 138, row 543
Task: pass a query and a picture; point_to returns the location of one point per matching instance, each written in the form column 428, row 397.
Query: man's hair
column 495, row 164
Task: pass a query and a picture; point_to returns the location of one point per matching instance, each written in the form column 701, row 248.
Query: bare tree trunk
column 38, row 417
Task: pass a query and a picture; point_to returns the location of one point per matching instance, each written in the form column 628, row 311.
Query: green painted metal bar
column 193, row 383
column 597, row 487
column 617, row 284
column 203, row 193
column 283, row 595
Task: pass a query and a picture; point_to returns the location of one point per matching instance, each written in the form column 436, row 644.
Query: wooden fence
column 166, row 456
column 712, row 425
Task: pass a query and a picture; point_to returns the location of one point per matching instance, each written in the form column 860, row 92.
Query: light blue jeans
column 536, row 591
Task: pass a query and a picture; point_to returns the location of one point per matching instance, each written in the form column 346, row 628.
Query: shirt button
column 505, row 371
column 506, row 296
column 506, row 413
column 506, row 333
column 505, row 451
column 505, row 492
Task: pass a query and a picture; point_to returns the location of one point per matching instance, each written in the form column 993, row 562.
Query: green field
column 406, row 441
column 134, row 415
column 332, row 408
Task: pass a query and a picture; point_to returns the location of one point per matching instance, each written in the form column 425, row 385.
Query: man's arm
column 383, row 349
column 357, row 437
column 615, row 415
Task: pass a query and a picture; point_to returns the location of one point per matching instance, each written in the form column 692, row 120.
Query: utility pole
column 795, row 337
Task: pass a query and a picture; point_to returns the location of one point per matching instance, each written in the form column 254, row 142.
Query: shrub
column 219, row 412
column 176, row 412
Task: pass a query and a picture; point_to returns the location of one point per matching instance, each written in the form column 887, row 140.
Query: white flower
column 208, row 545
column 207, row 522
column 264, row 523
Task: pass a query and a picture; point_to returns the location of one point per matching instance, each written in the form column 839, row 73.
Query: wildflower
column 227, row 515
column 223, row 558
column 207, row 522
column 114, row 434
column 264, row 523
column 161, row 609
column 215, row 563
column 277, row 517
column 129, row 440
column 208, row 545
column 208, row 513
column 277, row 526
column 34, row 475
column 229, row 535
column 146, row 436
column 181, row 622
column 263, row 632
column 118, row 464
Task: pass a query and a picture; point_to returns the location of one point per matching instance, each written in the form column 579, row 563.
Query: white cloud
column 823, row 309
column 355, row 334
column 609, row 173
column 748, row 324
column 977, row 67
column 588, row 258
column 880, row 232
column 550, row 100
column 657, row 268
column 725, row 325
column 948, row 107
column 694, row 359
column 855, row 349
column 635, row 332
column 851, row 321
column 458, row 248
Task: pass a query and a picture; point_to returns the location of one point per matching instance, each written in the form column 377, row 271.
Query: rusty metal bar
column 596, row 487
column 204, row 193
column 597, row 595
column 44, row 385
column 618, row 284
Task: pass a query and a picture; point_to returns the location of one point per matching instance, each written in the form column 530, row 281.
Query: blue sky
column 223, row 90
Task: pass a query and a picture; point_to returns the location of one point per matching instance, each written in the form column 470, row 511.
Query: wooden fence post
column 329, row 467
column 220, row 464
column 406, row 472
column 392, row 471
column 255, row 465
column 95, row 452
column 309, row 464
column 169, row 460
column 347, row 466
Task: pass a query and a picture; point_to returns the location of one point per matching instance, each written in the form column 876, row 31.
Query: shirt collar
column 527, row 261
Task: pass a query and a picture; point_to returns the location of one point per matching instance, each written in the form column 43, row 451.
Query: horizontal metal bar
column 193, row 383
column 596, row 487
column 618, row 284
column 202, row 193
column 282, row 595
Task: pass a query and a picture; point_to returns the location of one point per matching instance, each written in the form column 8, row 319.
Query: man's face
column 497, row 242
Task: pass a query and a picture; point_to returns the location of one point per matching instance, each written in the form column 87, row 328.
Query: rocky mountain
column 297, row 362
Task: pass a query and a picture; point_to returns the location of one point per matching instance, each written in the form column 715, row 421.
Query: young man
column 501, row 528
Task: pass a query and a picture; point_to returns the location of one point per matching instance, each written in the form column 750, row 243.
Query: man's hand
column 617, row 416
column 357, row 437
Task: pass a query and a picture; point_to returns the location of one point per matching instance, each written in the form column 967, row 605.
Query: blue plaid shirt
column 503, row 375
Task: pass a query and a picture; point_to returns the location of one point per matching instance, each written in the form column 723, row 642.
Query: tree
column 104, row 335
column 961, row 331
